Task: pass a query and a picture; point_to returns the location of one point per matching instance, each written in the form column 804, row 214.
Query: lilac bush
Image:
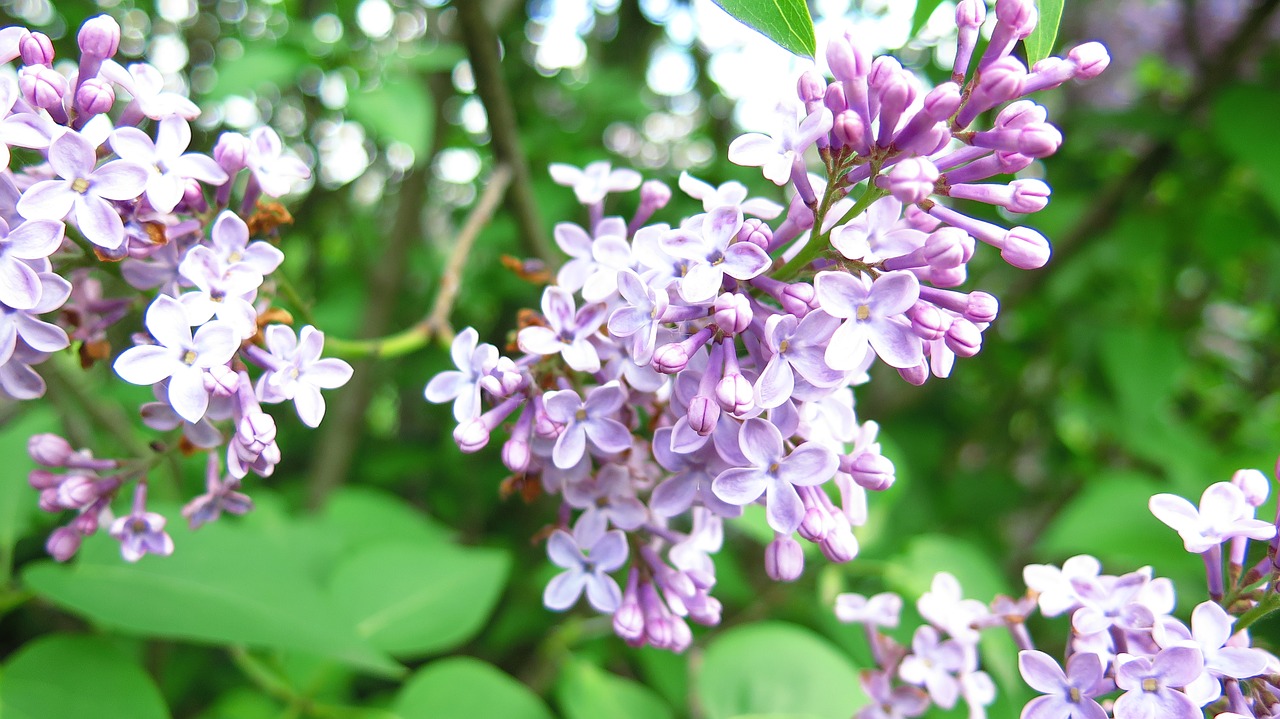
column 678, row 373
column 100, row 184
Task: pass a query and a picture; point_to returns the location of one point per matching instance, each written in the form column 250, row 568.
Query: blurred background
column 1144, row 358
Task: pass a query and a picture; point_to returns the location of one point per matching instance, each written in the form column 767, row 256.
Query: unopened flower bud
column 1020, row 114
column 628, row 621
column 982, row 307
column 942, row 101
column 1028, row 196
column 971, row 13
column 77, row 491
column 784, row 559
column 516, row 455
column 798, row 299
column 671, row 358
column 835, row 100
column 43, row 479
column 94, row 97
column 851, row 131
column 232, row 152
column 848, row 61
column 255, row 431
column 36, row 49
column 948, row 277
column 49, row 450
column 1253, row 484
column 654, row 195
column 471, row 436
column 1025, row 249
column 681, row 635
column 814, row 525
column 964, row 338
column 193, row 197
column 49, row 501
column 99, row 37
column 63, row 544
column 703, row 415
column 221, row 381
column 870, row 470
column 811, row 87
column 757, row 232
column 840, row 545
column 735, row 394
column 1091, row 58
column 927, row 321
column 1019, row 14
column 733, row 313
column 87, row 523
column 945, row 248
column 42, row 86
column 917, row 375
column 912, row 180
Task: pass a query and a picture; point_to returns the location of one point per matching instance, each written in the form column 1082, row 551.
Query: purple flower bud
column 703, row 415
column 964, row 338
column 99, row 37
column 850, row 131
column 870, row 470
column 49, row 501
column 1091, row 58
column 681, row 635
column 516, row 454
column 49, row 450
column 733, row 313
column 671, row 358
column 87, row 523
column 42, row 86
column 948, row 277
column 255, row 431
column 1021, row 114
column 36, row 49
column 982, row 307
column 221, row 381
column 1018, row 13
column 471, row 436
column 917, row 375
column 77, row 491
column 948, row 247
column 1253, row 484
column 43, row 479
column 799, row 298
column 814, row 525
column 193, row 197
column 1025, row 249
column 735, row 394
column 971, row 13
column 95, row 97
column 784, row 559
column 839, row 545
column 912, row 180
column 628, row 621
column 757, row 232
column 654, row 195
column 63, row 544
column 232, row 152
column 834, row 99
column 942, row 101
column 811, row 87
column 847, row 61
column 999, row 82
column 927, row 321
column 1028, row 196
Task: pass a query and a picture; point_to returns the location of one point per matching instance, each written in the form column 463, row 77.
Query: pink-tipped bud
column 811, row 87
column 1091, row 59
column 671, row 358
column 43, row 479
column 1021, row 15
column 255, row 431
column 912, row 180
column 49, row 501
column 949, row 277
column 945, row 248
column 471, row 436
column 784, row 559
column 869, row 470
column 1013, row 162
column 757, row 232
column 850, row 131
column 964, row 338
column 221, row 381
column 231, row 152
column 1025, row 248
column 848, row 61
column 1028, row 196
column 193, row 196
column 1040, row 140
column 63, row 544
column 840, row 545
column 49, row 450
column 971, row 13
column 516, row 455
column 544, row 426
column 1253, row 484
column 681, row 635
column 982, row 307
column 733, row 313
column 628, row 621
column 834, row 99
column 703, row 415
column 735, row 394
column 42, row 86
column 814, row 525
column 1020, row 114
column 927, row 321
column 917, row 375
column 654, row 195
column 87, row 523
column 99, row 37
column 942, row 101
column 36, row 49
column 95, row 97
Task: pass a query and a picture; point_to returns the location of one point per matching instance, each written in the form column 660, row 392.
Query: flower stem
column 819, row 242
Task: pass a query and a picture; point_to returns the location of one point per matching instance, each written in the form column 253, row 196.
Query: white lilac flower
column 798, row 347
column 32, row 240
column 474, row 362
column 146, row 85
column 178, row 357
column 729, row 194
column 596, row 260
column 274, row 170
column 1067, row 695
column 640, row 317
column 230, row 236
column 1054, row 587
column 706, row 242
column 881, row 610
column 591, row 573
column 84, row 189
column 1211, row 632
column 1150, row 684
column 779, row 153
column 933, row 664
column 298, row 372
column 1223, row 514
column 223, row 292
column 141, row 532
column 595, row 181
column 872, row 314
column 168, row 163
column 22, row 325
column 945, row 607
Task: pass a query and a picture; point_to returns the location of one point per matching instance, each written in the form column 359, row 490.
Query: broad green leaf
column 17, row 498
column 224, row 584
column 1040, row 42
column 466, row 688
column 398, row 110
column 261, row 64
column 60, row 676
column 924, row 9
column 414, row 599
column 587, row 692
column 362, row 516
column 1244, row 125
column 786, row 22
column 774, row 667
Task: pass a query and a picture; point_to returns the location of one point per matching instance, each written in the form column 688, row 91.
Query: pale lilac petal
column 673, row 496
column 187, row 394
column 446, row 386
column 744, row 261
column 119, row 180
column 19, row 284
column 626, row 321
column 1174, row 511
column 783, row 508
column 606, row 399
column 572, row 239
column 1041, row 672
column 564, row 589
column 35, row 239
column 840, row 293
column 199, row 167
column 309, row 403
column 310, row 344
column 8, row 340
column 47, row 200
column 808, row 465
column 753, row 149
column 72, row 156
column 581, row 356
column 570, row 446
column 98, row 222
column 1223, row 500
column 894, row 293
column 760, row 442
column 328, row 373
column 42, row 336
column 775, row 383
column 563, row 551
column 557, row 307
column 1239, row 662
column 563, row 174
column 562, row 405
column 603, row 593
column 701, row 283
column 610, row 435
column 173, row 137
column 215, row 343
column 721, row 225
column 146, row 364
column 133, row 145
column 609, row 552
column 896, row 344
column 848, row 346
column 539, row 341
column 20, row 381
column 164, row 192
column 740, row 485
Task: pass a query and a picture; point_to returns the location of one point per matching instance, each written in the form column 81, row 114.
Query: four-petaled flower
column 607, row 553
column 705, row 242
column 568, row 333
column 1223, row 514
column 589, row 420
column 299, row 373
column 872, row 314
column 1067, row 695
column 1150, row 684
column 592, row 183
column 775, row 474
column 474, row 362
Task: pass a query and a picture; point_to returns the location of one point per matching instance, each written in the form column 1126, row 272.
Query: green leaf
column 17, row 498
column 225, row 584
column 410, row 599
column 466, row 688
column 362, row 516
column 588, row 692
column 60, row 676
column 1244, row 125
column 1040, row 42
column 774, row 667
column 924, row 10
column 398, row 110
column 786, row 22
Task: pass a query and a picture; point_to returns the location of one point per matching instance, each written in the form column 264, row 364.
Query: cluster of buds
column 1127, row 657
column 106, row 177
column 678, row 374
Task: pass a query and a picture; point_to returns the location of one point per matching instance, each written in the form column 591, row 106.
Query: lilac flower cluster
column 678, row 374
column 106, row 176
column 1127, row 657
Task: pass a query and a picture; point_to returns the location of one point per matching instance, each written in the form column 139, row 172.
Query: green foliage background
column 383, row 575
